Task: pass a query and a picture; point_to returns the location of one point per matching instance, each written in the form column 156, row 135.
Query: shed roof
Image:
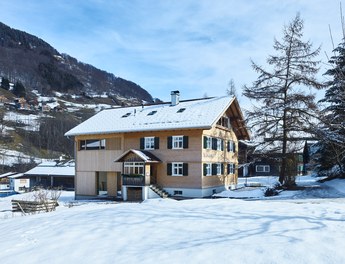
column 53, row 169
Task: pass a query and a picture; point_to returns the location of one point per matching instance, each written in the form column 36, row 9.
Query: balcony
column 135, row 180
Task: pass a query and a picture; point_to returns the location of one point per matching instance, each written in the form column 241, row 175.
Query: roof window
column 181, row 110
column 152, row 113
column 126, row 115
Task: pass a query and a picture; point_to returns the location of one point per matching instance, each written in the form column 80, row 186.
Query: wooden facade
column 204, row 163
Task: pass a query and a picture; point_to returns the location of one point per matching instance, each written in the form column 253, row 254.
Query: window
column 207, row 142
column 152, row 113
column 177, row 169
column 218, row 168
column 224, row 122
column 133, row 168
column 149, row 143
column 262, row 168
column 231, row 168
column 177, row 142
column 207, row 169
column 181, row 110
column 176, row 192
column 126, row 115
column 231, row 146
column 92, row 144
column 219, row 144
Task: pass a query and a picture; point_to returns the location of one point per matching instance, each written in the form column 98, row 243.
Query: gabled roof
column 191, row 114
column 145, row 156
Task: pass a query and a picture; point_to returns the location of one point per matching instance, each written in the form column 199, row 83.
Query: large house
column 181, row 148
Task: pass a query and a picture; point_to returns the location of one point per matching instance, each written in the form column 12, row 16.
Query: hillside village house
column 183, row 148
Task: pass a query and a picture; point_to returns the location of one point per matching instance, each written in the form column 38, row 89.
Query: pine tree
column 19, row 89
column 284, row 103
column 332, row 132
column 5, row 83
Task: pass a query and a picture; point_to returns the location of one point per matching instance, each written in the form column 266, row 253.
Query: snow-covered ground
column 295, row 227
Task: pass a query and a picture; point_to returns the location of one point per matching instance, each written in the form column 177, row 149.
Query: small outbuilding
column 53, row 174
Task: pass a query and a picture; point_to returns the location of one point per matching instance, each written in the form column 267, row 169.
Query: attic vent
column 125, row 115
column 181, row 110
column 152, row 113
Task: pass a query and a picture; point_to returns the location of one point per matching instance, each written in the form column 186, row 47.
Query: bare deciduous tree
column 284, row 102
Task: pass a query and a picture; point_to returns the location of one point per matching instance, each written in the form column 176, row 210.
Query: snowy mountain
column 38, row 66
column 44, row 93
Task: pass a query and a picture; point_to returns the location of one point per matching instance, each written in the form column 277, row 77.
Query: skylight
column 152, row 113
column 125, row 115
column 181, row 110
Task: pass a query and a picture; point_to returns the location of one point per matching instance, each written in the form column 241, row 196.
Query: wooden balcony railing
column 133, row 180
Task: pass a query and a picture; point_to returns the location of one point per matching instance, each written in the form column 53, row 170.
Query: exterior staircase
column 158, row 190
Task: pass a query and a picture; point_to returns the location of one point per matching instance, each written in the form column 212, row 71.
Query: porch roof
column 145, row 156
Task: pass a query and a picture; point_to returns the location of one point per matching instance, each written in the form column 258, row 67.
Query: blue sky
column 195, row 46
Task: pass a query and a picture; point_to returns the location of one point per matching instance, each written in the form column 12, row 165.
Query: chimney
column 175, row 98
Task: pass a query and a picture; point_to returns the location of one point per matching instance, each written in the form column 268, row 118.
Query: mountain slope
column 38, row 66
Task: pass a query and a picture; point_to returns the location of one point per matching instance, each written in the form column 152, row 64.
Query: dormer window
column 152, row 113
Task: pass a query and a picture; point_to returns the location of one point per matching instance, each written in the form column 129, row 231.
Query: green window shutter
column 204, row 169
column 222, row 168
column 214, row 169
column 205, row 142
column 169, row 169
column 228, row 168
column 156, row 142
column 234, row 146
column 185, row 142
column 170, row 142
column 214, row 143
column 185, row 169
column 222, row 145
column 142, row 143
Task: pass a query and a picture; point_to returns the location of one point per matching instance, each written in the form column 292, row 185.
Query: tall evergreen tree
column 284, row 103
column 19, row 89
column 5, row 83
column 332, row 132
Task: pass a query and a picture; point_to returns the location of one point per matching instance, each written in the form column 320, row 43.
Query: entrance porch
column 139, row 173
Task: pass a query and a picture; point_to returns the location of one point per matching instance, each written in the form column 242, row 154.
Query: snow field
column 169, row 231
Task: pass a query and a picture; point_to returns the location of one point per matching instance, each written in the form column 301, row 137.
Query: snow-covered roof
column 17, row 175
column 7, row 174
column 146, row 156
column 53, row 169
column 200, row 113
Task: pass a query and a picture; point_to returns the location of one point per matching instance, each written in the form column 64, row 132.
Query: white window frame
column 177, row 169
column 133, row 168
column 149, row 143
column 262, row 168
column 219, row 168
column 231, row 168
column 208, row 142
column 219, row 144
column 177, row 142
column 208, row 169
column 232, row 146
